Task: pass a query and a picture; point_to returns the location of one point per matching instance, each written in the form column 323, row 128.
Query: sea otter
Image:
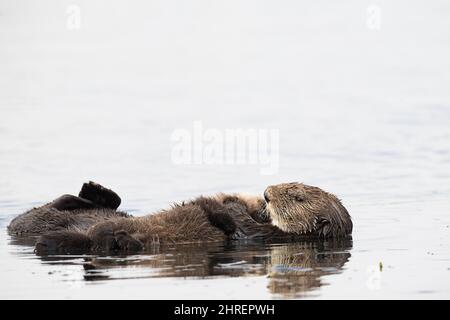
column 91, row 222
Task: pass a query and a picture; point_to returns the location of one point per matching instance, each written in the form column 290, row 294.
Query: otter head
column 302, row 209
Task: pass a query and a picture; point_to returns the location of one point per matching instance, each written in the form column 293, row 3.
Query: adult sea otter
column 91, row 221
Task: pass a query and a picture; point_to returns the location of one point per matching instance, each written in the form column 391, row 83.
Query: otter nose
column 266, row 196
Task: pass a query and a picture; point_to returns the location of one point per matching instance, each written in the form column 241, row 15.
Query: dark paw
column 261, row 216
column 218, row 214
column 106, row 237
column 127, row 243
column 223, row 221
column 100, row 195
column 62, row 242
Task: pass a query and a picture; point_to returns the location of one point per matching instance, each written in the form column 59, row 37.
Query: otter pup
column 91, row 222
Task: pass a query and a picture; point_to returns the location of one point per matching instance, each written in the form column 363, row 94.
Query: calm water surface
column 362, row 113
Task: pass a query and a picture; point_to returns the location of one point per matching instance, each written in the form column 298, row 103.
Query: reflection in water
column 298, row 268
column 292, row 269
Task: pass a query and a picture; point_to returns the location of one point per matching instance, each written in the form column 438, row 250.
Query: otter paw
column 125, row 242
column 218, row 214
column 103, row 237
column 62, row 242
column 261, row 216
column 106, row 237
column 100, row 195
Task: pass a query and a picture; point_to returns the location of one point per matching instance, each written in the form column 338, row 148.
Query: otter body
column 91, row 222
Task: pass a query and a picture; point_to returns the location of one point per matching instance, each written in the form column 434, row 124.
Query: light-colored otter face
column 302, row 209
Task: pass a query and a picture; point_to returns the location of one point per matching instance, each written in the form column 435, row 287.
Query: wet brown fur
column 63, row 227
